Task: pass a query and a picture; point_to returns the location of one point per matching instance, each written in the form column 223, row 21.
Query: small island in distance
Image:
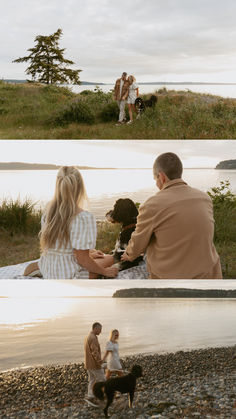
column 226, row 164
column 37, row 166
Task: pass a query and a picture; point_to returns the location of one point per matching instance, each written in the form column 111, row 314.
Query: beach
column 199, row 383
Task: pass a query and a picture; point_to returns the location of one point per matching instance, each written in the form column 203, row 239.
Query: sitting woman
column 112, row 355
column 68, row 234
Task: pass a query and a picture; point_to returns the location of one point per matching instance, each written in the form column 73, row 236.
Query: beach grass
column 35, row 111
column 19, row 240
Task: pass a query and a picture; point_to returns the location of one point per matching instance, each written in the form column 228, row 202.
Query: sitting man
column 175, row 228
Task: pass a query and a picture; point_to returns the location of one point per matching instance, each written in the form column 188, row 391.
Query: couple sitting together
column 173, row 230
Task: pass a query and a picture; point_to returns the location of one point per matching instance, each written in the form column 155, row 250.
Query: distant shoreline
column 161, row 83
column 39, row 166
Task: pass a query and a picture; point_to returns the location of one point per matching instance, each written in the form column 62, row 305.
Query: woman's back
column 59, row 262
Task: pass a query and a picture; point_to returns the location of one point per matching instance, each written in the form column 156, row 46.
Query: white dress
column 60, row 263
column 132, row 93
column 113, row 359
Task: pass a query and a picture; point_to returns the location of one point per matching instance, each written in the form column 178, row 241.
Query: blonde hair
column 112, row 333
column 133, row 78
column 69, row 195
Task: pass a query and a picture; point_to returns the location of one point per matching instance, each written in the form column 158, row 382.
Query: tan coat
column 92, row 352
column 124, row 92
column 175, row 228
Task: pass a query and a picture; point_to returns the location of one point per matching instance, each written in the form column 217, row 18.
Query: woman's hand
column 126, row 257
column 111, row 272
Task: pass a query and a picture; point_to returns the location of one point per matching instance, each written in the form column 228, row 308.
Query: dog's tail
column 98, row 390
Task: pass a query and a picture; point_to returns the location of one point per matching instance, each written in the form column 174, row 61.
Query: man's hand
column 126, row 257
column 96, row 254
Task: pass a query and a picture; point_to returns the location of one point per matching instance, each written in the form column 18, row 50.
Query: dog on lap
column 124, row 212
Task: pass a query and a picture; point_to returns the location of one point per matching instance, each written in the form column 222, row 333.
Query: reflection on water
column 145, row 325
column 102, row 186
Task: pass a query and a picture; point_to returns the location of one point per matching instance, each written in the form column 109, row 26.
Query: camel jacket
column 92, row 352
column 175, row 228
column 124, row 92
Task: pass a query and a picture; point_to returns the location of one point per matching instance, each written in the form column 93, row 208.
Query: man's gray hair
column 170, row 164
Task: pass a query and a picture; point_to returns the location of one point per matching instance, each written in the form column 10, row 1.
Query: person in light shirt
column 175, row 228
column 68, row 235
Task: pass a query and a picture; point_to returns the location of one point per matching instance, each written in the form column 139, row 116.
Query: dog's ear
column 125, row 211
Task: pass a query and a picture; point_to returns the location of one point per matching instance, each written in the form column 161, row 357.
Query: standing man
column 121, row 92
column 175, row 228
column 93, row 362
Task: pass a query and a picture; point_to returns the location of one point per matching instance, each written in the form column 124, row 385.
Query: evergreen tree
column 47, row 62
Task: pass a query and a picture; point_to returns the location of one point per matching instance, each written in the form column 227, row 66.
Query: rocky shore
column 195, row 384
column 173, row 293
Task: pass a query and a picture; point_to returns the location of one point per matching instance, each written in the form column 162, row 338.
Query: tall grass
column 38, row 111
column 224, row 204
column 19, row 217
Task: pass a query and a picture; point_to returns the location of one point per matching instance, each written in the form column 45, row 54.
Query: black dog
column 125, row 384
column 141, row 104
column 124, row 212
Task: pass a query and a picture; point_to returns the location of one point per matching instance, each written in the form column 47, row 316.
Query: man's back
column 177, row 227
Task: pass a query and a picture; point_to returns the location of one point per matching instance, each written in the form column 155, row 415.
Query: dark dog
column 141, row 104
column 124, row 212
column 125, row 384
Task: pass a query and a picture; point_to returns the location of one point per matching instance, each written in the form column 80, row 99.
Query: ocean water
column 39, row 331
column 226, row 91
column 102, row 186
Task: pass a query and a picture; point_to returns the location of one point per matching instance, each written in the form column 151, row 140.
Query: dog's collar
column 127, row 227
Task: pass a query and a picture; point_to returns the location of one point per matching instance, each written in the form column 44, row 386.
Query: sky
column 116, row 153
column 156, row 40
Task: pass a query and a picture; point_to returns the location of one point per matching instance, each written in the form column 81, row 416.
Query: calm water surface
column 51, row 330
column 219, row 90
column 103, row 186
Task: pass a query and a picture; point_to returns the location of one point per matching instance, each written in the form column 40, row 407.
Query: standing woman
column 112, row 353
column 68, row 234
column 133, row 94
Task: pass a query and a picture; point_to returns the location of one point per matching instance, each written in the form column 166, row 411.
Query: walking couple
column 126, row 90
column 94, row 362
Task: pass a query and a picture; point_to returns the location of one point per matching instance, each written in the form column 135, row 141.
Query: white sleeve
column 109, row 346
column 83, row 232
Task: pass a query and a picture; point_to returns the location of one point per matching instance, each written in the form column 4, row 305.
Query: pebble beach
column 194, row 384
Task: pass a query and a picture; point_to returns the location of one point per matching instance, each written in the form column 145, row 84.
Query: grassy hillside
column 34, row 111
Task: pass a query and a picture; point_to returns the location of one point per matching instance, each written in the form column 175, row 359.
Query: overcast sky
column 121, row 154
column 156, row 40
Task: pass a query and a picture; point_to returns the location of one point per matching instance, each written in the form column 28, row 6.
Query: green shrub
column 224, row 204
column 18, row 217
column 109, row 112
column 86, row 92
column 74, row 112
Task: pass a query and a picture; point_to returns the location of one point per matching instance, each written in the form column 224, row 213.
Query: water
column 102, row 186
column 226, row 91
column 51, row 330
